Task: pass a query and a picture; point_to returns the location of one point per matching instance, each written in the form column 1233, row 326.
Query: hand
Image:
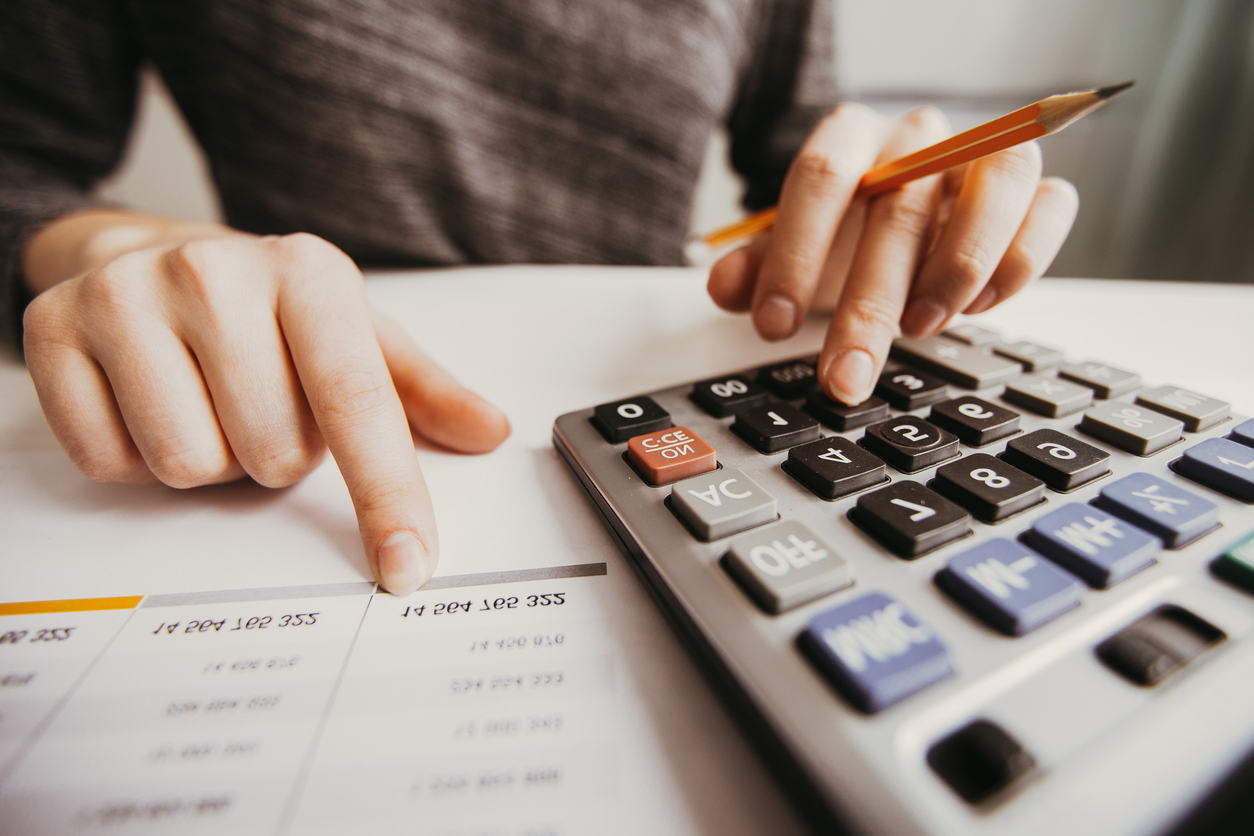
column 208, row 360
column 961, row 241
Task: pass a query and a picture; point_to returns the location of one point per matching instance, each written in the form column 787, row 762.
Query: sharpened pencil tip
column 1113, row 90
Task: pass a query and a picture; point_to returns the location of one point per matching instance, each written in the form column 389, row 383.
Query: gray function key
column 1198, row 412
column 956, row 362
column 972, row 334
column 1105, row 381
column 721, row 503
column 1047, row 395
column 1134, row 429
column 786, row 565
column 1032, row 356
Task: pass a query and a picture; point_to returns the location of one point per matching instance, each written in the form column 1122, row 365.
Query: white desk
column 540, row 341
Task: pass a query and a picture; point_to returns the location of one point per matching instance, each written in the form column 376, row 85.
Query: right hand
column 208, row 360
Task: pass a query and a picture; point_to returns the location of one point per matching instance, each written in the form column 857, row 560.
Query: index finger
column 326, row 322
column 820, row 185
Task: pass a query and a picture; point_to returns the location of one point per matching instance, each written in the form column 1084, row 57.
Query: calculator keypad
column 790, row 379
column 907, row 389
column 910, row 444
column 727, row 395
column 910, row 519
column 1059, row 460
column 721, row 503
column 775, row 427
column 974, row 420
column 988, row 487
column 841, row 417
column 1093, row 545
column 670, row 455
column 787, row 565
column 1105, row 381
column 834, row 467
column 1011, row 587
column 1139, row 431
column 1198, row 412
column 1222, row 464
column 1032, row 356
column 1047, row 395
column 954, row 361
column 620, row 420
column 1170, row 513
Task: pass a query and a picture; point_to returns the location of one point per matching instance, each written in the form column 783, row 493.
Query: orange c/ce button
column 669, row 455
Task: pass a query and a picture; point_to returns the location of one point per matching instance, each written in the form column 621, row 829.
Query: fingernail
column 922, row 317
column 850, row 377
column 775, row 317
column 982, row 302
column 404, row 564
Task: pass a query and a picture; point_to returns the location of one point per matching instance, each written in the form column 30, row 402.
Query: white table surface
column 539, row 341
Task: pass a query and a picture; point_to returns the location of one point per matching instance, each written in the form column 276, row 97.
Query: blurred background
column 1165, row 173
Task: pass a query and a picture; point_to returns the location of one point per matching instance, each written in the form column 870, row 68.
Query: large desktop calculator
column 1011, row 593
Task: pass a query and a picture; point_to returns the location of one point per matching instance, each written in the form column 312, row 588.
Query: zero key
column 621, row 420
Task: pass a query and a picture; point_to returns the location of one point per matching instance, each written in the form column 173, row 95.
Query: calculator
column 1011, row 593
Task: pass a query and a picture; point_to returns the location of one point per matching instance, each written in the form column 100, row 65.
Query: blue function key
column 874, row 651
column 910, row 519
column 775, row 427
column 727, row 395
column 834, row 467
column 910, row 444
column 1221, row 464
column 1243, row 433
column 1032, row 356
column 988, row 487
column 975, row 421
column 1061, row 461
column 1009, row 586
column 841, row 417
column 1102, row 550
column 790, row 379
column 786, row 565
column 962, row 364
column 1171, row 514
column 721, row 503
column 1133, row 429
column 1105, row 381
column 623, row 420
column 906, row 389
column 1198, row 412
column 1047, row 395
column 1236, row 564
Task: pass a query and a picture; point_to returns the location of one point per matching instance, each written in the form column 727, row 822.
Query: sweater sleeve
column 68, row 81
column 788, row 87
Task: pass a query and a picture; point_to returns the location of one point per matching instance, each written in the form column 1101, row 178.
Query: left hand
column 904, row 261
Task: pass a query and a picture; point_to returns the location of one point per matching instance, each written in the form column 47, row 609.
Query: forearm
column 83, row 241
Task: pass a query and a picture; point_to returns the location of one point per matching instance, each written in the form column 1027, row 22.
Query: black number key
column 834, row 467
column 909, row 443
column 725, row 396
column 988, row 487
column 840, row 417
column 910, row 519
column 775, row 427
column 790, row 379
column 1061, row 461
column 905, row 388
column 975, row 421
column 621, row 420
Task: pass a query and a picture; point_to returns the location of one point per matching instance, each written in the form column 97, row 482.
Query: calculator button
column 907, row 389
column 669, row 455
column 721, row 503
column 1105, row 381
column 975, row 421
column 1243, row 433
column 910, row 444
column 725, row 396
column 1009, row 586
column 1061, row 461
column 1198, row 412
column 1221, row 464
column 972, row 334
column 988, row 487
column 1047, row 395
column 1102, row 550
column 791, row 379
column 910, row 519
column 1032, row 356
column 980, row 760
column 954, row 361
column 1171, row 514
column 874, row 651
column 834, row 467
column 620, row 420
column 787, row 565
column 775, row 427
column 1236, row 564
column 1154, row 647
column 1134, row 429
column 840, row 417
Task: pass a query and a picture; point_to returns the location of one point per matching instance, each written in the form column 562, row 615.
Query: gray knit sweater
column 428, row 132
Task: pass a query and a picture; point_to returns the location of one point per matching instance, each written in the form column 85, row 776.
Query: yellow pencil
column 1038, row 119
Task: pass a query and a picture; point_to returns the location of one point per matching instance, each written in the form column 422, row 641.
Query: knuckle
column 277, row 463
column 927, row 119
column 872, row 314
column 349, row 391
column 907, row 212
column 308, row 253
column 1022, row 162
column 182, row 466
column 379, row 497
column 970, row 263
column 825, row 172
column 102, row 465
column 111, row 291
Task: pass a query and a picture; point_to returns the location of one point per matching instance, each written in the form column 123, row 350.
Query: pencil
column 1049, row 115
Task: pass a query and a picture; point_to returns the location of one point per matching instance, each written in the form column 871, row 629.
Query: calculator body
column 1106, row 755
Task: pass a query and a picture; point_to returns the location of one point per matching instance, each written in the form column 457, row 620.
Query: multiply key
column 669, row 455
column 1047, row 395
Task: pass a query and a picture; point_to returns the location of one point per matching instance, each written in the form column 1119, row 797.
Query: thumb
column 439, row 408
